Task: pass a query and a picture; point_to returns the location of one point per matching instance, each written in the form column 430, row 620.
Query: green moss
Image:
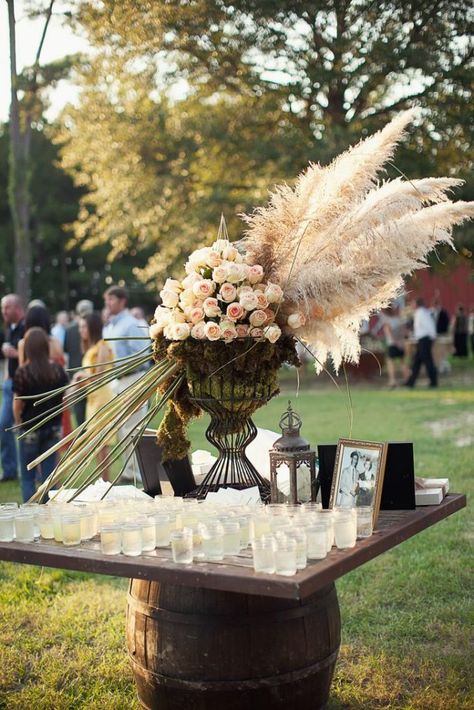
column 237, row 377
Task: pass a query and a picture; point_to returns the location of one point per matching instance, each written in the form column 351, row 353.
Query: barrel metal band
column 236, row 685
column 229, row 619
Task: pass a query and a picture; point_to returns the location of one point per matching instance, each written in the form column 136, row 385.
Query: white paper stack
column 430, row 491
column 231, row 496
column 96, row 491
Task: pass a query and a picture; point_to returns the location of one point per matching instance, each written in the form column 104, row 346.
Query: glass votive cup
column 259, row 525
column 33, row 508
column 299, row 535
column 345, row 528
column 162, row 529
column 364, row 521
column 111, row 539
column 198, row 546
column 244, row 523
column 285, row 556
column 263, row 552
column 231, row 537
column 9, row 505
column 132, row 539
column 212, row 534
column 45, row 522
column 24, row 526
column 71, row 529
column 311, row 507
column 148, row 534
column 317, row 541
column 7, row 525
column 88, row 524
column 182, row 546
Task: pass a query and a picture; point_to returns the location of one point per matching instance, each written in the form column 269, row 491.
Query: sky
column 59, row 41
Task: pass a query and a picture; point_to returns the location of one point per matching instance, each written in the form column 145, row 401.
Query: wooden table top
column 235, row 574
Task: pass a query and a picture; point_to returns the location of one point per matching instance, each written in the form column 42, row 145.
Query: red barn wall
column 453, row 287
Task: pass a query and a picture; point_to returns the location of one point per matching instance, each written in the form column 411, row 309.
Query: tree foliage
column 190, row 109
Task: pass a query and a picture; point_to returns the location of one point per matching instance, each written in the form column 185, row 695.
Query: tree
column 267, row 87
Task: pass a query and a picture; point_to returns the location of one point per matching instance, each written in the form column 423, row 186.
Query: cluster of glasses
column 282, row 537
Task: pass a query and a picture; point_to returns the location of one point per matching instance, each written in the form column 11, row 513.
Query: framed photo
column 358, row 474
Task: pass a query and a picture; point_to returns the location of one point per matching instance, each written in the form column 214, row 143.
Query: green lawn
column 407, row 616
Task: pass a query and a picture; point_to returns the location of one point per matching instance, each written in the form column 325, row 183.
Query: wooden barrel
column 200, row 649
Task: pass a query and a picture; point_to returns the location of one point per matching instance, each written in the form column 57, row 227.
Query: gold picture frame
column 358, row 475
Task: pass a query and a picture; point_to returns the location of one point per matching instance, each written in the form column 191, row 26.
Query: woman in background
column 97, row 353
column 38, row 375
column 38, row 317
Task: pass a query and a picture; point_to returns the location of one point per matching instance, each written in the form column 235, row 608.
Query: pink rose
column 196, row 314
column 234, row 311
column 204, row 288
column 256, row 333
column 262, row 300
column 211, row 308
column 248, row 300
column 270, row 315
column 162, row 316
column 272, row 333
column 198, row 331
column 257, row 318
column 255, row 274
column 228, row 330
column 296, row 320
column 212, row 331
column 227, row 292
column 242, row 330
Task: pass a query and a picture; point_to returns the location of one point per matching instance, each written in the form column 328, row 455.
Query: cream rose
column 234, row 273
column 162, row 316
column 272, row 333
column 274, row 293
column 204, row 288
column 211, row 308
column 190, row 280
column 296, row 320
column 255, row 274
column 248, row 300
column 170, row 298
column 180, row 331
column 199, row 257
column 257, row 318
column 155, row 330
column 262, row 300
column 198, row 330
column 219, row 274
column 229, row 253
column 176, row 316
column 172, row 285
column 244, row 289
column 187, row 298
column 235, row 311
column 227, row 292
column 212, row 331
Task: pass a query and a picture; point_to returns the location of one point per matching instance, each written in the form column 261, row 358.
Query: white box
column 429, row 496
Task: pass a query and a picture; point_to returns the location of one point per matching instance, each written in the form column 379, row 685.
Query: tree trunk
column 19, row 175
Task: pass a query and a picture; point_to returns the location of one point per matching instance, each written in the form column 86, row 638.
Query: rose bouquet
column 317, row 260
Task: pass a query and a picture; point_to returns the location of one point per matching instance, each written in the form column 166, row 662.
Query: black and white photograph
column 358, row 474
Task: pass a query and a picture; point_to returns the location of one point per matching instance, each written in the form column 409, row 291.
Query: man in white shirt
column 424, row 330
column 349, row 483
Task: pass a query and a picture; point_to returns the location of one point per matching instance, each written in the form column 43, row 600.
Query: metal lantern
column 291, row 449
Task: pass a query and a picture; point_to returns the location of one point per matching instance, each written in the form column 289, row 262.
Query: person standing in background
column 13, row 315
column 460, row 332
column 58, row 330
column 470, row 328
column 73, row 350
column 394, row 331
column 424, row 331
column 139, row 314
column 123, row 325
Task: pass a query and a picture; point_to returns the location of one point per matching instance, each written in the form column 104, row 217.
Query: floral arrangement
column 223, row 297
column 316, row 261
